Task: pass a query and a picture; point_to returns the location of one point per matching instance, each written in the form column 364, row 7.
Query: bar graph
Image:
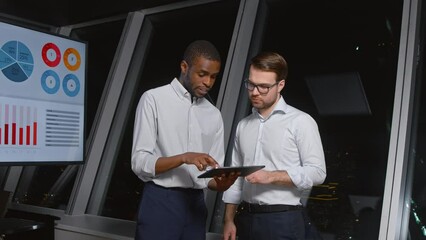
column 39, row 131
column 18, row 125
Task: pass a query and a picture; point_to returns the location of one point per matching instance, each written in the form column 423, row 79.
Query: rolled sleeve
column 312, row 170
column 233, row 194
column 144, row 157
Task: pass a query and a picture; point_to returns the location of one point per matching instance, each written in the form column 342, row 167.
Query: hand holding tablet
column 243, row 170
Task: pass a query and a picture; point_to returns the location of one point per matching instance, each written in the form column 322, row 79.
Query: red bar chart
column 18, row 125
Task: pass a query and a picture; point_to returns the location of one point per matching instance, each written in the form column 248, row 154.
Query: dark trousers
column 274, row 225
column 171, row 214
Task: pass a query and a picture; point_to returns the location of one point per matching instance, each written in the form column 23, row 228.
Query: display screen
column 42, row 97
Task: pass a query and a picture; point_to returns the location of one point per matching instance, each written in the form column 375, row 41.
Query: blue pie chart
column 16, row 61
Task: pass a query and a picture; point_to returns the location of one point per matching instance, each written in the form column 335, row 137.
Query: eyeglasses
column 261, row 88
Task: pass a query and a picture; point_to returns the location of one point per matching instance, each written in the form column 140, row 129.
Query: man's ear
column 183, row 67
column 281, row 85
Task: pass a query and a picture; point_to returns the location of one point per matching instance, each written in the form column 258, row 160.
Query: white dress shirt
column 288, row 139
column 168, row 123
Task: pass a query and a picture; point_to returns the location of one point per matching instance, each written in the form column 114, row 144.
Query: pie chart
column 16, row 61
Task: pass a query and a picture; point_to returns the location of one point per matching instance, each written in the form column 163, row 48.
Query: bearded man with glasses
column 267, row 203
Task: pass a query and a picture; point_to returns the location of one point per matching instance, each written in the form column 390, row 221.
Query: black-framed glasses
column 261, row 88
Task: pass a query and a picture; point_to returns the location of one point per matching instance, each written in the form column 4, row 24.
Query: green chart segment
column 16, row 61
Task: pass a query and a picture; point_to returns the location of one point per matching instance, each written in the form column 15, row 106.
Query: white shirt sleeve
column 144, row 157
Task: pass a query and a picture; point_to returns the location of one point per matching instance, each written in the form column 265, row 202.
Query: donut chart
column 50, row 82
column 16, row 61
column 72, row 59
column 51, row 55
column 71, row 85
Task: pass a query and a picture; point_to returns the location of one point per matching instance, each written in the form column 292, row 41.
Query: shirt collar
column 280, row 107
column 180, row 89
column 182, row 92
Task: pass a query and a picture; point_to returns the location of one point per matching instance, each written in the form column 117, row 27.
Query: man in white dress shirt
column 285, row 140
column 177, row 134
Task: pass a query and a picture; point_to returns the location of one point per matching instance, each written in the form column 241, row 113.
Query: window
column 156, row 60
column 325, row 40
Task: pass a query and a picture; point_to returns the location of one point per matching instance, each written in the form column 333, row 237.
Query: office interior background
column 356, row 66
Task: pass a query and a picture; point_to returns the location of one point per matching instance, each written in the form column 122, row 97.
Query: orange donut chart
column 75, row 58
column 45, row 52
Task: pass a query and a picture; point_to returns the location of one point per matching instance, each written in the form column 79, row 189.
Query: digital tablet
column 243, row 170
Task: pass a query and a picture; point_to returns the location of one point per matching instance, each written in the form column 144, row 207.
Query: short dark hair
column 271, row 62
column 201, row 48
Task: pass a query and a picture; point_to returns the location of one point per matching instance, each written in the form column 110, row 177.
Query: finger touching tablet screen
column 243, row 170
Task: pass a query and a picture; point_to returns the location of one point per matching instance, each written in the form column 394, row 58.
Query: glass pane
column 417, row 218
column 342, row 71
column 172, row 32
column 342, row 60
column 51, row 186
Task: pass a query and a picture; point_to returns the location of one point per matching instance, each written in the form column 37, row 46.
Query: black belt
column 256, row 208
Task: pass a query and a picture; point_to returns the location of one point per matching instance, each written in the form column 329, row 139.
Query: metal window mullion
column 94, row 155
column 394, row 193
column 235, row 66
column 234, row 71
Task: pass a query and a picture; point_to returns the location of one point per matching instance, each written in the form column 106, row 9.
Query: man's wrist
column 227, row 220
